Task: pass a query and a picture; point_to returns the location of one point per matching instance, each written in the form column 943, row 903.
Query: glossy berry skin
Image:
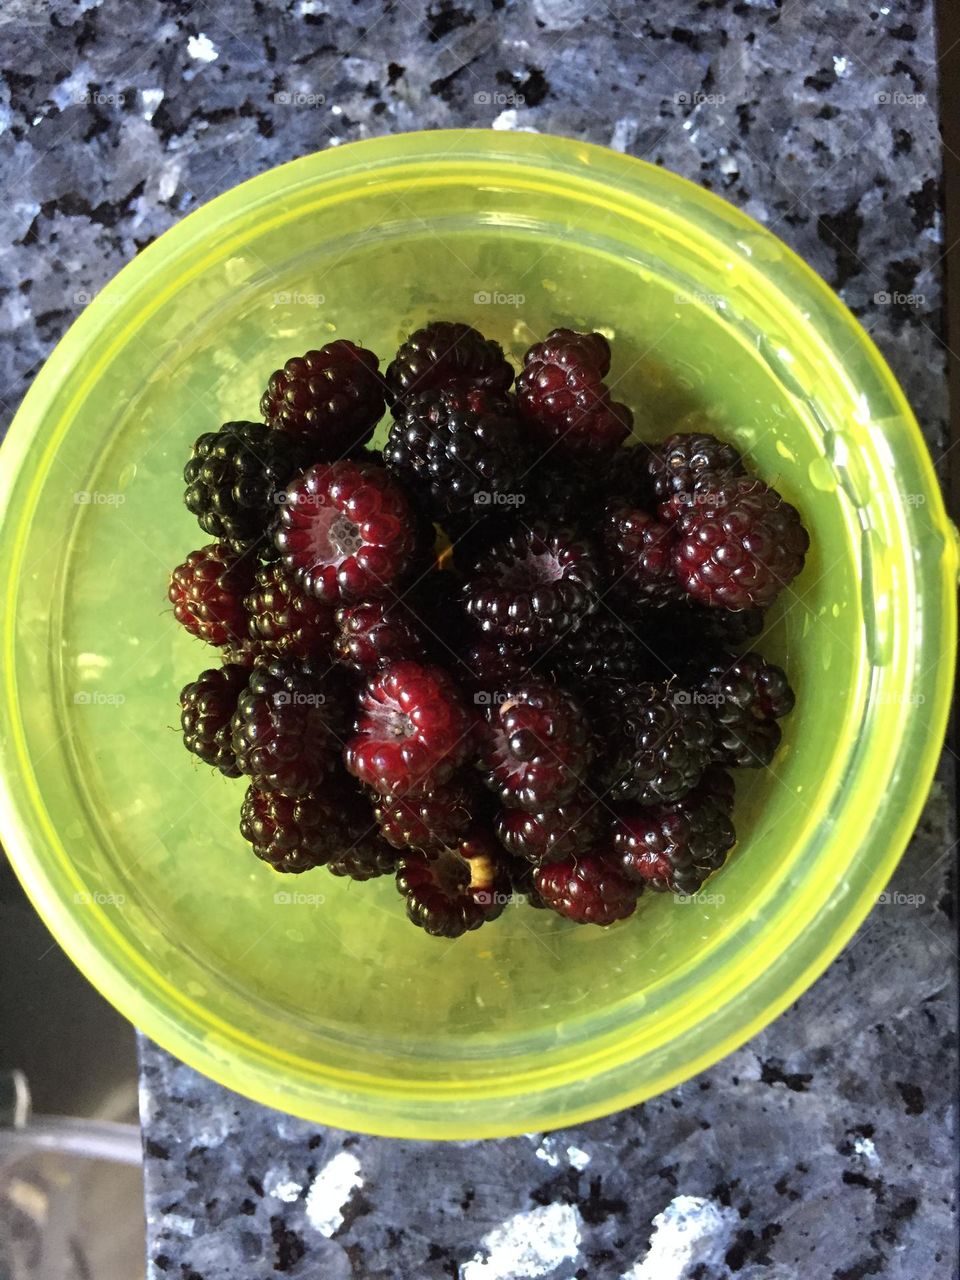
column 486, row 668
column 453, row 892
column 371, row 635
column 329, row 399
column 638, row 551
column 443, row 352
column 366, row 860
column 207, row 705
column 686, row 460
column 537, row 747
column 552, row 834
column 287, row 730
column 283, row 620
column 673, row 848
column 562, row 396
column 413, row 732
column 293, row 833
column 658, row 739
column 207, row 592
column 346, row 532
column 429, row 821
column 605, row 646
column 233, row 480
column 747, row 695
column 739, row 546
column 533, row 587
column 588, row 888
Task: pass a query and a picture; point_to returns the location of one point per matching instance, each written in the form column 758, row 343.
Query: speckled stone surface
column 824, row 1148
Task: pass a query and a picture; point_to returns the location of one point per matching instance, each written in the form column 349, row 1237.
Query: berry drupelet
column 747, row 696
column 589, row 888
column 606, row 647
column 374, row 634
column 563, row 398
column 674, row 847
column 431, row 821
column 687, row 460
column 347, row 531
column 413, row 732
column 739, row 546
column 536, row 747
column 533, row 587
column 569, row 829
column 284, row 620
column 234, row 477
column 457, row 890
column 638, row 551
column 330, row 400
column 457, row 449
column 288, row 728
column 293, row 833
column 207, row 705
column 207, row 592
column 442, row 352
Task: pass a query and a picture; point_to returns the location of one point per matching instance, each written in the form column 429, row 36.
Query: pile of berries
column 502, row 658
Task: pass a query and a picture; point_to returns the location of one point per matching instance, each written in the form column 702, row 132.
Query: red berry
column 331, row 398
column 347, row 531
column 372, row 635
column 739, row 545
column 589, row 888
column 537, row 747
column 208, row 591
column 414, row 730
column 452, row 892
column 534, row 586
column 639, row 554
column 429, row 822
column 443, row 352
column 284, row 620
column 562, row 396
column 551, row 834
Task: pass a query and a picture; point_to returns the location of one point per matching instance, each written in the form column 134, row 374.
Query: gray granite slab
column 825, row 1147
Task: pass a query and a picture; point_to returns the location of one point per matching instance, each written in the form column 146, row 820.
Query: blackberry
column 563, row 398
column 487, row 668
column 673, row 848
column 288, row 727
column 330, row 399
column 442, row 352
column 284, row 620
column 570, row 828
column 207, row 705
column 454, row 457
column 207, row 592
column 565, row 490
column 365, row 861
column 589, row 888
column 293, row 833
column 626, row 477
column 739, row 546
column 453, row 892
column 638, row 551
column 747, row 696
column 372, row 635
column 428, row 822
column 233, row 480
column 682, row 462
column 534, row 587
column 657, row 739
column 606, row 647
column 537, row 747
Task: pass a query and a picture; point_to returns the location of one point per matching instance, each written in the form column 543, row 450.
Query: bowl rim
column 221, row 1059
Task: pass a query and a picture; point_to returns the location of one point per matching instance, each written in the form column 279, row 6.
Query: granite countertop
column 824, row 1148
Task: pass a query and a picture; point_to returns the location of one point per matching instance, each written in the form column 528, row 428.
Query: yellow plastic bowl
column 338, row 1010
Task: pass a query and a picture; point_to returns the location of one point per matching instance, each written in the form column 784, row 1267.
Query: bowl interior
column 316, row 993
